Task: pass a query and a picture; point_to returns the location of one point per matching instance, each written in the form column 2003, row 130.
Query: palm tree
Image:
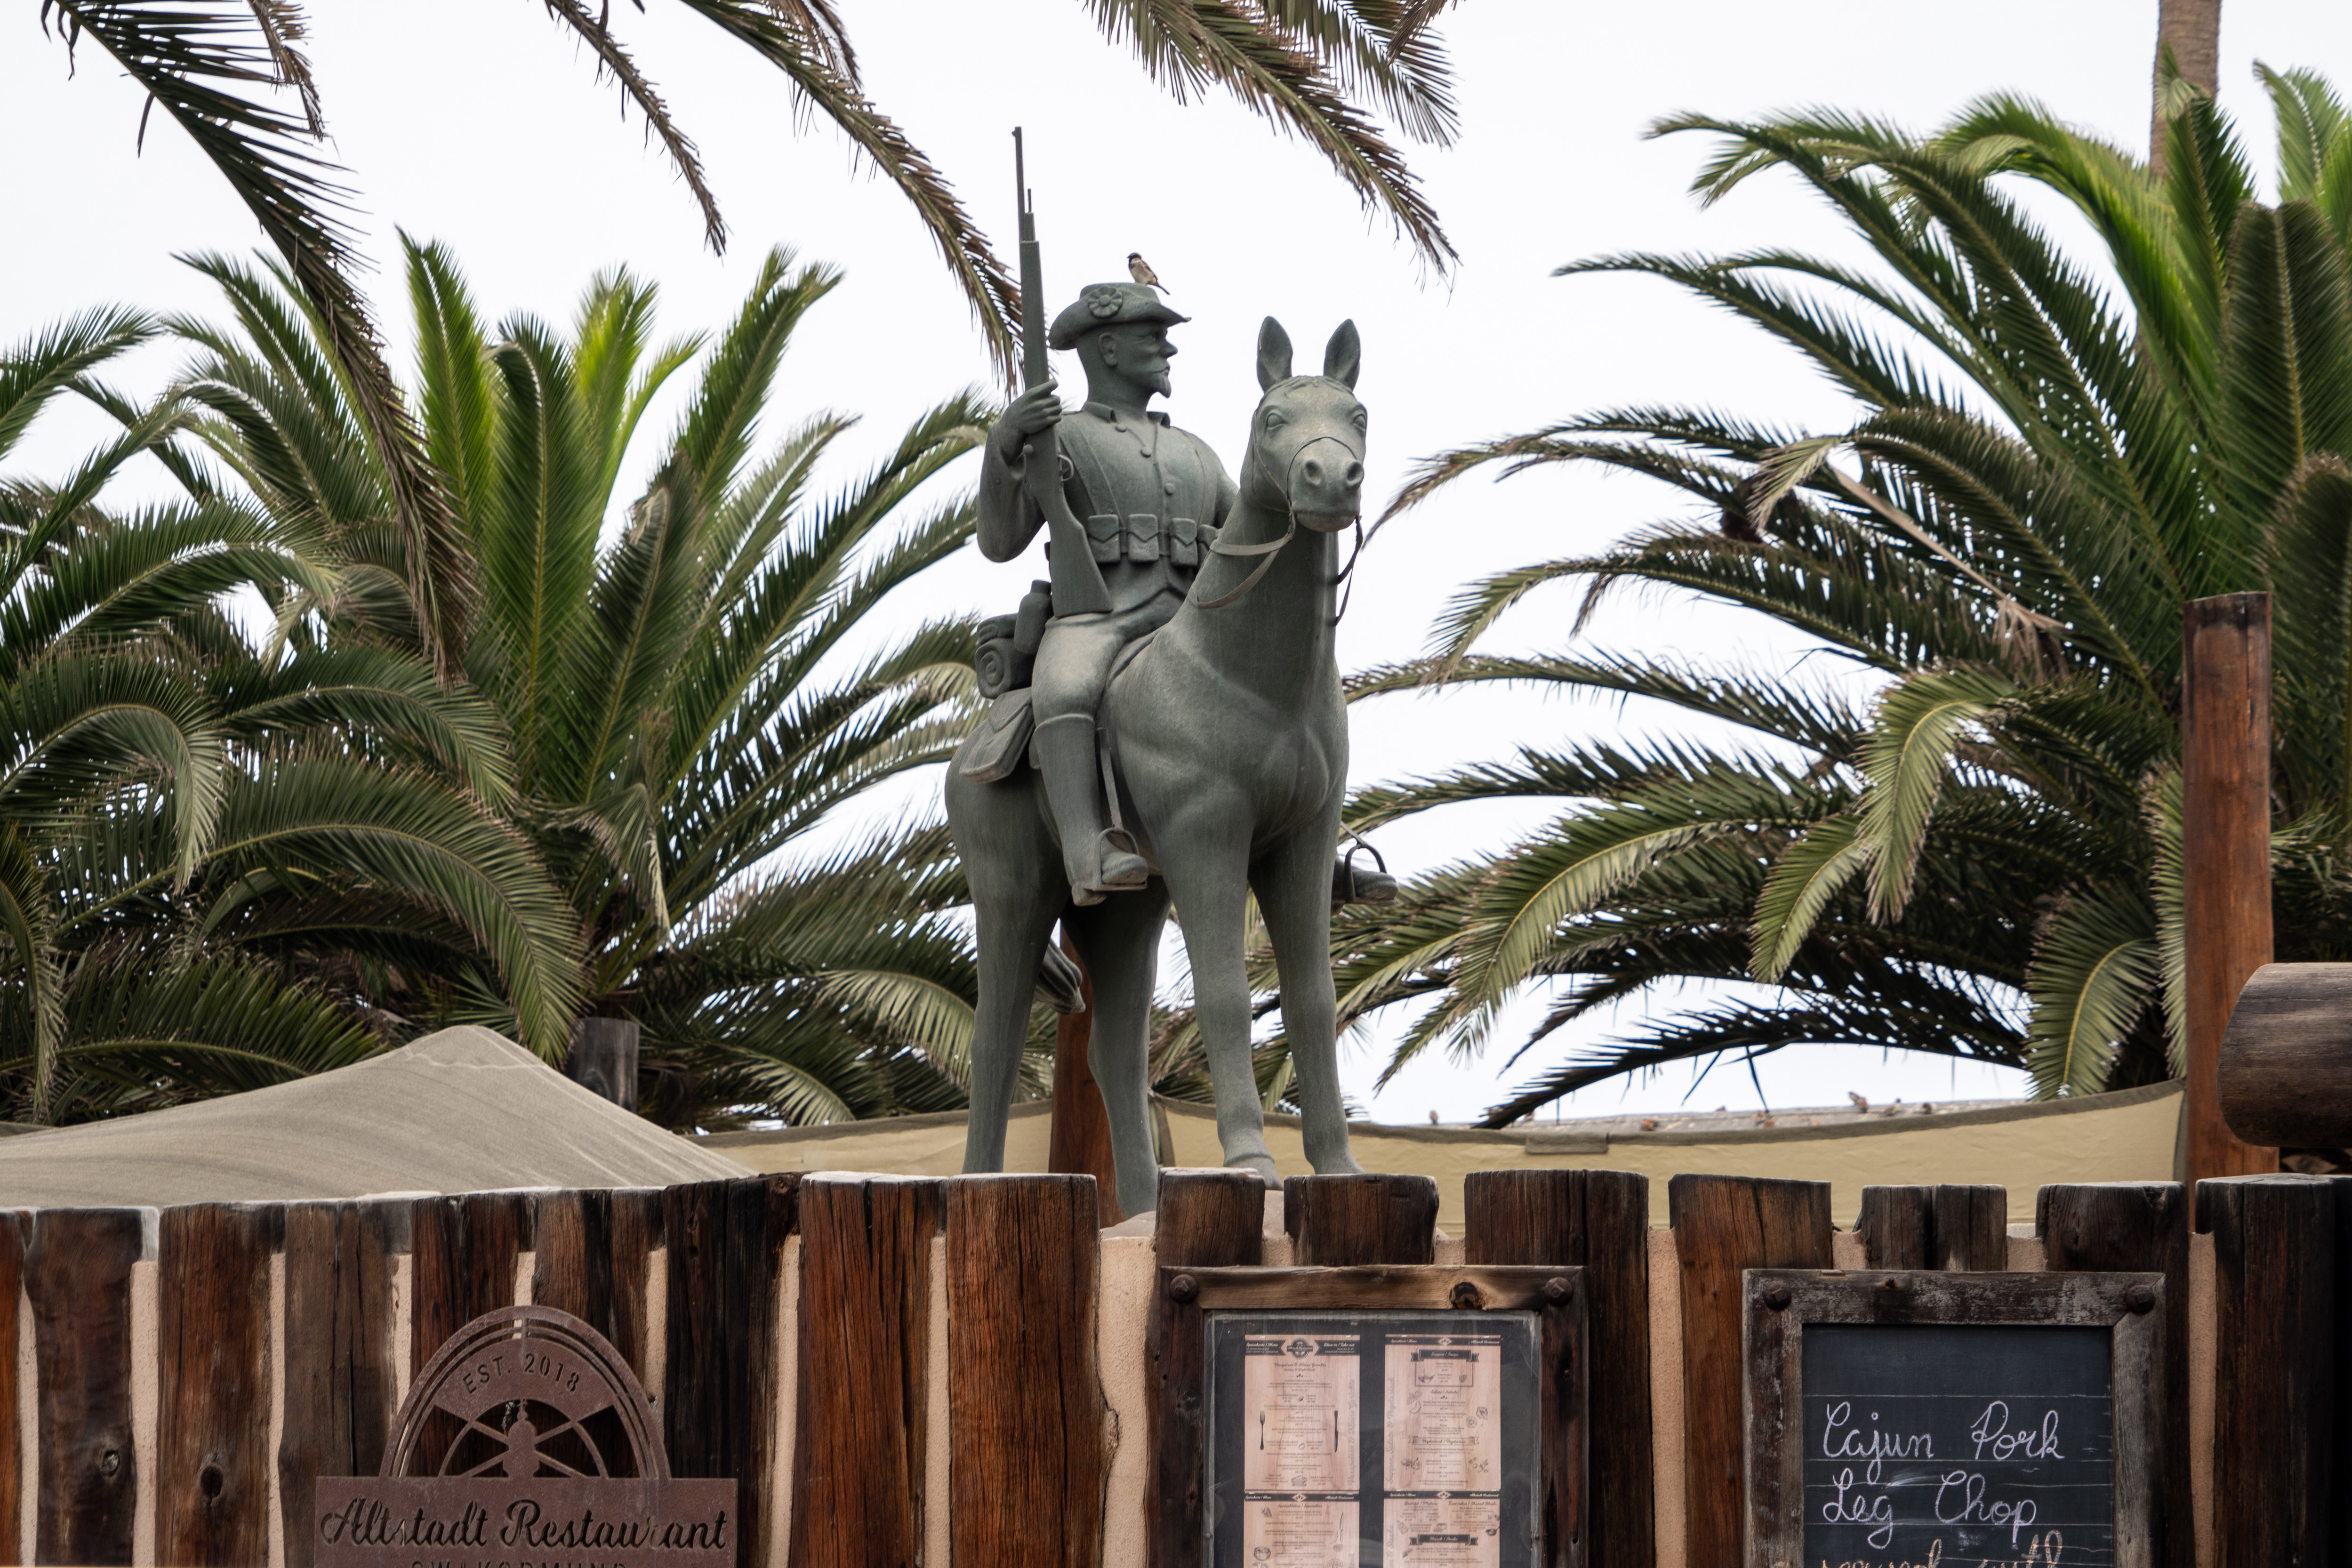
column 1316, row 68
column 1985, row 861
column 159, row 775
column 684, row 703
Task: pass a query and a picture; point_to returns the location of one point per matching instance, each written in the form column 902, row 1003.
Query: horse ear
column 1344, row 355
column 1273, row 354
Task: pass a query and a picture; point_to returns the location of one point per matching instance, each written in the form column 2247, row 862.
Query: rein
column 1269, row 550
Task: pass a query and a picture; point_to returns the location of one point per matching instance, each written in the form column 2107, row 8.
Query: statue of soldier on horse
column 1166, row 719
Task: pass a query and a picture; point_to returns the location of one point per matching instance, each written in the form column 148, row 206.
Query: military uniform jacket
column 1151, row 497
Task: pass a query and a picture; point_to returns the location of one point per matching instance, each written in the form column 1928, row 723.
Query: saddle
column 1004, row 657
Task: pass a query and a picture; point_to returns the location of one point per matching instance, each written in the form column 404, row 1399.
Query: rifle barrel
column 1034, row 371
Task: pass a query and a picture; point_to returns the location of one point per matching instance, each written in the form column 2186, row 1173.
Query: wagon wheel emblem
column 525, row 1392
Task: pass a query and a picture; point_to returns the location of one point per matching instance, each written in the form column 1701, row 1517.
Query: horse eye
column 1362, row 419
column 1274, row 418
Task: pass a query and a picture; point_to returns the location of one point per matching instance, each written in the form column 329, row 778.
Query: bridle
column 1267, row 551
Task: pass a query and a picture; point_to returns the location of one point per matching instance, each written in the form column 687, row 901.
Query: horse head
column 1307, row 438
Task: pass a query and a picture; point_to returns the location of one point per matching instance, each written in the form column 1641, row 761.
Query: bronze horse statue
column 1229, row 743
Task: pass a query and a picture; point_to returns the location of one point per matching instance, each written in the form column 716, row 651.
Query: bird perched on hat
column 1140, row 271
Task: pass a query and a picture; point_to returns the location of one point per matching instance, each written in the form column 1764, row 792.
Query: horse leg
column 1211, row 902
column 1119, row 940
column 1012, row 934
column 1294, row 893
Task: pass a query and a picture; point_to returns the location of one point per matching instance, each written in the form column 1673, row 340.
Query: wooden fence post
column 463, row 1249
column 1338, row 1222
column 1078, row 1142
column 340, row 1374
column 1953, row 1228
column 1024, row 1394
column 726, row 1271
column 2225, row 820
column 864, row 1370
column 604, row 1059
column 213, row 1462
column 2137, row 1228
column 12, row 1435
column 2275, row 1472
column 77, row 1279
column 1206, row 1219
column 1725, row 1225
column 1599, row 1220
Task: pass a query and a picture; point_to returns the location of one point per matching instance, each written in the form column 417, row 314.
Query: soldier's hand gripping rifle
column 1078, row 584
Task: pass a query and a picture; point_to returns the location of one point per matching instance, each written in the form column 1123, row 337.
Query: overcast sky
column 477, row 124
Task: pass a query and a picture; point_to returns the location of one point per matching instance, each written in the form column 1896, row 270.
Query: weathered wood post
column 1723, row 1227
column 1599, row 1221
column 1206, row 1219
column 1080, row 1144
column 1939, row 1227
column 2225, row 760
column 604, row 1059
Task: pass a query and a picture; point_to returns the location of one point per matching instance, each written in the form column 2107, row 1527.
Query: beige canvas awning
column 462, row 1111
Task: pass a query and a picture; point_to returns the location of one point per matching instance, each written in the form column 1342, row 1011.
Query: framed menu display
column 1395, row 1417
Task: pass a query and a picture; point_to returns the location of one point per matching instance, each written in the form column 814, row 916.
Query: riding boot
column 1094, row 859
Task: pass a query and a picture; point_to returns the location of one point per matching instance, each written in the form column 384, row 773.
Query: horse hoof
column 1263, row 1165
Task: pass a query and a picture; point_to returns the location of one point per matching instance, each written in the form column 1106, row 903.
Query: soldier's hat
column 1101, row 305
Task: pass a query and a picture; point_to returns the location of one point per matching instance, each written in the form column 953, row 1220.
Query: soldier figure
column 1147, row 493
column 1151, row 498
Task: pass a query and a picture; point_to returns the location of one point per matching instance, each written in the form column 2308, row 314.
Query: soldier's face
column 1138, row 352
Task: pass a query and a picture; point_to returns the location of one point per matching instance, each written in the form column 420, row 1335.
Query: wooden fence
column 916, row 1371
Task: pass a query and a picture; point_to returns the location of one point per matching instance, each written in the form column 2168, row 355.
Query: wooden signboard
column 526, row 1441
column 1401, row 1416
column 2003, row 1419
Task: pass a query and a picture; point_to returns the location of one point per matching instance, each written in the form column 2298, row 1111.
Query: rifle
column 1070, row 558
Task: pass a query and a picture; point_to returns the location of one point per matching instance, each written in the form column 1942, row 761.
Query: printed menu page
column 1442, row 1533
column 1300, row 1531
column 1300, row 1399
column 1443, row 1416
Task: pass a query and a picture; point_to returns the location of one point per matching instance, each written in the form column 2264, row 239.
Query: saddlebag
column 994, row 747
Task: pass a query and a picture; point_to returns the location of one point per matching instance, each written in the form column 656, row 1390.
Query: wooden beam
column 2225, row 807
column 1962, row 1229
column 2137, row 1228
column 77, row 1280
column 212, row 1462
column 1079, row 1142
column 866, row 1303
column 13, row 1437
column 726, row 1267
column 1206, row 1219
column 1024, row 1394
column 339, row 1373
column 2285, row 1069
column 1725, row 1225
column 464, row 1250
column 1338, row 1222
column 604, row 1059
column 2274, row 1336
column 1599, row 1220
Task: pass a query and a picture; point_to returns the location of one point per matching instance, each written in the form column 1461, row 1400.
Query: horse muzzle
column 1327, row 484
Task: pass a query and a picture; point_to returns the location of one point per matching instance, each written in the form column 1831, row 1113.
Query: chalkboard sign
column 1914, row 1418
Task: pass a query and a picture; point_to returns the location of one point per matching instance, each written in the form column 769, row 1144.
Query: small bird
column 1140, row 271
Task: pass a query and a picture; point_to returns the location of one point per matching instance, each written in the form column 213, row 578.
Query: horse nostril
column 1314, row 472
column 1354, row 475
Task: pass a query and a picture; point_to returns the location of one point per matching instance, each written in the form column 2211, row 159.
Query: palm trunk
column 2191, row 29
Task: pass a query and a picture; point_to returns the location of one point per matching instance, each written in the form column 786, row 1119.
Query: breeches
column 1074, row 659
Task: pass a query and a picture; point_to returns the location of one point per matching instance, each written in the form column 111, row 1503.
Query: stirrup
column 1350, row 886
column 1118, row 868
